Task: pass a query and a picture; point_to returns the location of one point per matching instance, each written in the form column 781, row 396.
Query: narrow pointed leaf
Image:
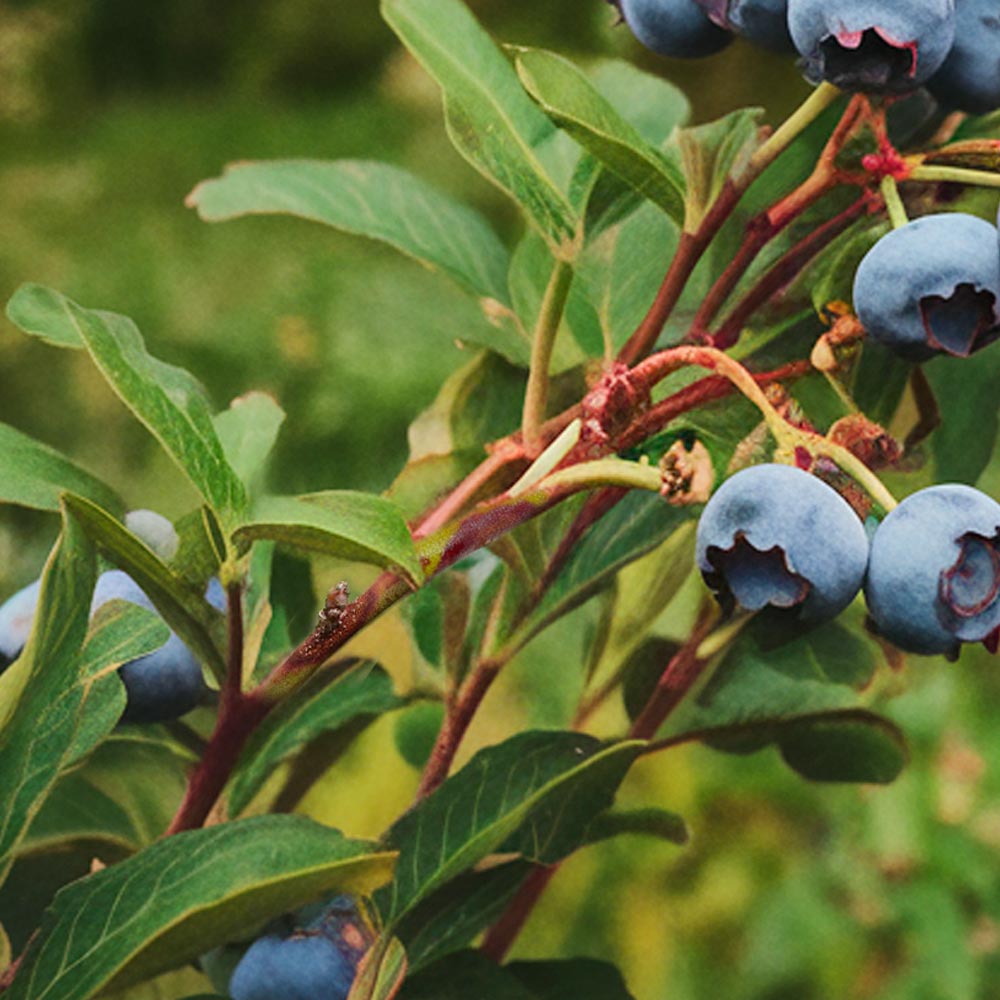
column 123, row 796
column 531, row 794
column 576, row 105
column 318, row 707
column 182, row 605
column 34, row 475
column 120, row 632
column 184, row 895
column 450, row 918
column 342, row 523
column 369, row 199
column 168, row 400
column 381, row 972
column 59, row 720
column 491, row 120
column 42, row 694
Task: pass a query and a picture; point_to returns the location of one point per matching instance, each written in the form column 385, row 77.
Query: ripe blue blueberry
column 317, row 958
column 969, row 80
column 763, row 22
column 162, row 685
column 932, row 286
column 775, row 535
column 934, row 572
column 168, row 682
column 677, row 28
column 881, row 46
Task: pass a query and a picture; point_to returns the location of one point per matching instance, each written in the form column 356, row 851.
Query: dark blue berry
column 162, row 685
column 679, row 28
column 317, row 958
column 932, row 286
column 934, row 572
column 880, row 46
column 969, row 80
column 773, row 535
column 763, row 22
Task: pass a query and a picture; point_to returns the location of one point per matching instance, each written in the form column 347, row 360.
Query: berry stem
column 501, row 936
column 954, row 175
column 793, row 126
column 893, row 203
column 784, row 270
column 542, row 344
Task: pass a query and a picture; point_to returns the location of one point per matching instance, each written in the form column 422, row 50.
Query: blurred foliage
column 110, row 112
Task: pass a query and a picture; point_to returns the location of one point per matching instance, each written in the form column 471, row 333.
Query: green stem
column 604, row 472
column 543, row 341
column 893, row 203
column 800, row 119
column 954, row 175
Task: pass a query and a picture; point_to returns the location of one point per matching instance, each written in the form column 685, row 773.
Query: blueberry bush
column 699, row 380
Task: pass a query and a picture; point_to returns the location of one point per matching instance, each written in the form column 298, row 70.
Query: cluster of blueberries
column 886, row 46
column 775, row 536
column 310, row 954
column 159, row 686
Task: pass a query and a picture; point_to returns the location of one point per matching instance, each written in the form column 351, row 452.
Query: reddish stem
column 456, row 724
column 690, row 249
column 761, row 230
column 676, row 680
column 504, row 932
column 786, row 269
column 237, row 719
column 505, row 454
column 703, row 391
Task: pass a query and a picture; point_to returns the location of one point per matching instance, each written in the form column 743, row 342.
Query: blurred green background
column 110, row 112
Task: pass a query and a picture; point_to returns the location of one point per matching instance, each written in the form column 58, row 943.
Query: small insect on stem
column 333, row 608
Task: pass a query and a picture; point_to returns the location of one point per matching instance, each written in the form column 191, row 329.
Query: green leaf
column 622, row 270
column 34, row 475
column 477, row 403
column 450, row 918
column 491, row 120
column 659, row 823
column 369, row 199
column 184, row 895
column 469, row 974
column 532, row 794
column 642, row 590
column 343, row 523
column 181, row 604
column 802, row 693
column 167, row 400
column 318, row 706
column 859, row 748
column 41, row 696
column 571, row 979
column 247, row 431
column 416, row 731
column 530, row 270
column 120, row 632
column 636, row 526
column 123, row 797
column 970, row 415
column 768, row 677
column 651, row 105
column 381, row 972
column 464, row 975
column 713, row 154
column 578, row 107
